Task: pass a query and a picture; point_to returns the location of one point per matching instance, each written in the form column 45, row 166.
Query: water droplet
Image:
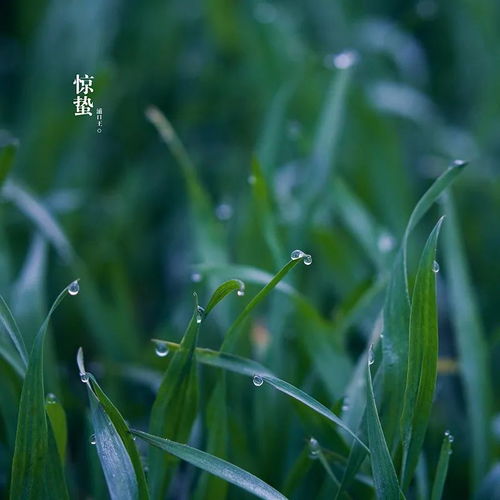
column 92, row 439
column 241, row 291
column 51, row 398
column 297, row 254
column 371, row 355
column 345, row 404
column 435, row 267
column 382, row 335
column 161, row 349
column 196, row 277
column 257, row 380
column 200, row 314
column 224, row 211
column 314, row 448
column 447, row 433
column 450, row 451
column 84, row 377
column 385, row 242
column 308, row 260
column 451, row 438
column 459, row 163
column 252, row 179
column 345, row 59
column 74, row 288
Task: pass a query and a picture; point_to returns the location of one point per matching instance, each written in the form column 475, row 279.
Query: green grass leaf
column 214, row 465
column 397, row 310
column 175, row 407
column 422, row 359
column 442, row 467
column 32, row 454
column 57, row 419
column 222, row 291
column 471, row 342
column 384, row 474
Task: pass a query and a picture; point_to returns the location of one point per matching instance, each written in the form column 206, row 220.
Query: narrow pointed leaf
column 442, row 469
column 222, row 291
column 11, row 341
column 422, row 359
column 214, row 465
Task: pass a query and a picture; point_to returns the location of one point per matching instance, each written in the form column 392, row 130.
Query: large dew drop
column 257, row 380
column 371, row 355
column 435, row 267
column 84, row 377
column 92, row 439
column 50, row 398
column 297, row 254
column 74, row 288
column 161, row 349
column 314, row 448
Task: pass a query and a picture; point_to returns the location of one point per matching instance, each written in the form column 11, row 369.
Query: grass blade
column 32, row 452
column 384, row 474
column 472, row 345
column 175, row 406
column 442, row 467
column 223, row 290
column 231, row 336
column 397, row 310
column 13, row 350
column 214, row 465
column 58, row 424
column 422, row 359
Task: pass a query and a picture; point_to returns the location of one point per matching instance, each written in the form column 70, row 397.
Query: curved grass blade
column 223, row 290
column 214, row 465
column 32, row 451
column 384, row 474
column 230, row 339
column 245, row 366
column 175, row 407
column 442, row 467
column 472, row 345
column 422, row 359
column 16, row 340
column 397, row 310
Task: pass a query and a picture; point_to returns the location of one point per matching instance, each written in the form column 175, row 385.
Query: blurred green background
column 239, row 80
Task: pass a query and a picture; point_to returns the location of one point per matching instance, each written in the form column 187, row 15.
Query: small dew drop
column 450, row 452
column 224, row 211
column 371, row 355
column 51, row 398
column 84, row 377
column 240, row 292
column 314, row 448
column 385, row 242
column 447, row 433
column 435, row 267
column 92, row 440
column 345, row 405
column 257, row 380
column 381, row 335
column 196, row 277
column 252, row 179
column 161, row 349
column 297, row 254
column 308, row 260
column 458, row 163
column 345, row 59
column 200, row 314
column 74, row 288
column 451, row 438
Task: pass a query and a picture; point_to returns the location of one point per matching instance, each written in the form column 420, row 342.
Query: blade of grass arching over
column 257, row 276
column 442, row 467
column 208, row 230
column 32, row 448
column 384, row 474
column 472, row 347
column 233, row 285
column 12, row 347
column 231, row 336
column 397, row 311
column 225, row 470
column 422, row 359
column 175, row 406
column 58, row 424
column 266, row 213
column 245, row 366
